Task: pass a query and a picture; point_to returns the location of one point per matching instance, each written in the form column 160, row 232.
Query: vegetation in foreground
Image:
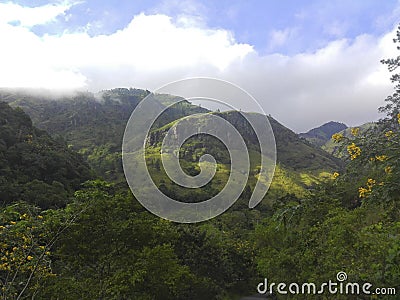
column 103, row 244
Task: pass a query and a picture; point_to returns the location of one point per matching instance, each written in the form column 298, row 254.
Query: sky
column 305, row 62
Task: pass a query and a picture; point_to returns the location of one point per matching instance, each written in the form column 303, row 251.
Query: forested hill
column 83, row 119
column 292, row 152
column 94, row 125
column 298, row 154
column 33, row 166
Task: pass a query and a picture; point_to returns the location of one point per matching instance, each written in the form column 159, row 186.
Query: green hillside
column 33, row 166
column 298, row 154
column 94, row 125
column 300, row 165
column 83, row 119
column 292, row 152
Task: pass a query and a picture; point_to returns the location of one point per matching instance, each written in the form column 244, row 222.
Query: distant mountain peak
column 320, row 135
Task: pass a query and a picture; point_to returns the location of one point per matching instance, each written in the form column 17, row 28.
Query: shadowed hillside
column 33, row 166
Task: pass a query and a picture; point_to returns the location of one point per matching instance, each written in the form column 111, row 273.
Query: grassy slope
column 300, row 165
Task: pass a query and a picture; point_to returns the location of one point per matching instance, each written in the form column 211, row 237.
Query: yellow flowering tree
column 27, row 236
column 24, row 251
column 373, row 160
column 350, row 223
column 374, row 154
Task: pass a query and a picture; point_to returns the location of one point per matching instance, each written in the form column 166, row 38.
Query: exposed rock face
column 292, row 151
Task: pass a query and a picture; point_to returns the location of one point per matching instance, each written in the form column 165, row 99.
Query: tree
column 27, row 236
column 116, row 250
column 351, row 223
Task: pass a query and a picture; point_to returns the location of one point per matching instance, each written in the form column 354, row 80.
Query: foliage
column 26, row 242
column 351, row 223
column 115, row 250
column 34, row 167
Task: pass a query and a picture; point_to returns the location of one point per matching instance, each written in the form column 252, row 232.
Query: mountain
column 33, row 166
column 295, row 153
column 300, row 165
column 83, row 119
column 292, row 152
column 44, row 169
column 331, row 147
column 322, row 134
column 94, row 126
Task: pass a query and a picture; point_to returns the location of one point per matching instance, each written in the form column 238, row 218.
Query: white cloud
column 30, row 16
column 149, row 44
column 343, row 81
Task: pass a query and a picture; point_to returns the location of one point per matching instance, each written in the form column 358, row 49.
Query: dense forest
column 71, row 229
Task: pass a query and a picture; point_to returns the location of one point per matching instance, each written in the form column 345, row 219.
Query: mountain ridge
column 95, row 127
column 322, row 134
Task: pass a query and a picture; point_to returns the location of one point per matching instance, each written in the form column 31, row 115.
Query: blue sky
column 304, row 61
column 308, row 24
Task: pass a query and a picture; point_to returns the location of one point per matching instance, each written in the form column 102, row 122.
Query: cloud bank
column 342, row 81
